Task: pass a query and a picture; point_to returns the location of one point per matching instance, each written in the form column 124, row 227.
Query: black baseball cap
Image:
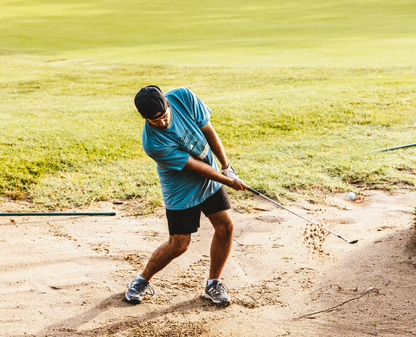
column 150, row 102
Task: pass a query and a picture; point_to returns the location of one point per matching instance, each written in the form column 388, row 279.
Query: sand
column 66, row 276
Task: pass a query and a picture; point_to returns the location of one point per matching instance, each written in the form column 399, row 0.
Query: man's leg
column 162, row 256
column 221, row 242
column 223, row 224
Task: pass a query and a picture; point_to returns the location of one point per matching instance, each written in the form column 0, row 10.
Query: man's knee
column 223, row 223
column 227, row 229
column 179, row 243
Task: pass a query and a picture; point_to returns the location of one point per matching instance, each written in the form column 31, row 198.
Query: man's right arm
column 206, row 171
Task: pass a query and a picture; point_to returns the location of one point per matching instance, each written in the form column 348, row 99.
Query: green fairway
column 301, row 91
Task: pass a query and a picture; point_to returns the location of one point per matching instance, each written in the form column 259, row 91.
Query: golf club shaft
column 293, row 212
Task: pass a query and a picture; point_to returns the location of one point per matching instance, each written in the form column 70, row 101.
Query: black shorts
column 186, row 221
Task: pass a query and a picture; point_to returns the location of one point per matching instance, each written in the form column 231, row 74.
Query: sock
column 140, row 278
column 209, row 282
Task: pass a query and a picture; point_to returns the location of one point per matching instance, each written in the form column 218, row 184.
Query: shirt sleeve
column 199, row 110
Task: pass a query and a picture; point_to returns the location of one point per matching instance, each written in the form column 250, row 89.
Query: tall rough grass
column 301, row 92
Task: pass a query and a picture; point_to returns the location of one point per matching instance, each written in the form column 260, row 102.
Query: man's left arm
column 215, row 143
column 229, row 177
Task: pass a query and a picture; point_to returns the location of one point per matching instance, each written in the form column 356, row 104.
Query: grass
column 301, row 91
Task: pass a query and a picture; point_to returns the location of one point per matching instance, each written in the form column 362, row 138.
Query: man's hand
column 230, row 173
column 206, row 171
column 238, row 185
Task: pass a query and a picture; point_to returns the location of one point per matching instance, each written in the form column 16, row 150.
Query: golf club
column 287, row 209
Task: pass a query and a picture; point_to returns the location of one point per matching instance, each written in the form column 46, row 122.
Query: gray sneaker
column 217, row 293
column 137, row 290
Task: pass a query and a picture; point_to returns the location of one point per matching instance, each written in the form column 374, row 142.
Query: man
column 179, row 136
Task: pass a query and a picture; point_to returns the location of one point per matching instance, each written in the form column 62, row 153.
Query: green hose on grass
column 60, row 214
column 393, row 148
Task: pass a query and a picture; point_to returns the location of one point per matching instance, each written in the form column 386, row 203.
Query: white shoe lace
column 139, row 287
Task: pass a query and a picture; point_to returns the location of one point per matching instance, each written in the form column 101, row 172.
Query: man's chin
column 163, row 127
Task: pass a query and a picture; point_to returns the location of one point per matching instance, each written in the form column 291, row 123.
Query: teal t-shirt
column 171, row 148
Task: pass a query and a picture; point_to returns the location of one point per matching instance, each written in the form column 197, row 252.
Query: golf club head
column 301, row 216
